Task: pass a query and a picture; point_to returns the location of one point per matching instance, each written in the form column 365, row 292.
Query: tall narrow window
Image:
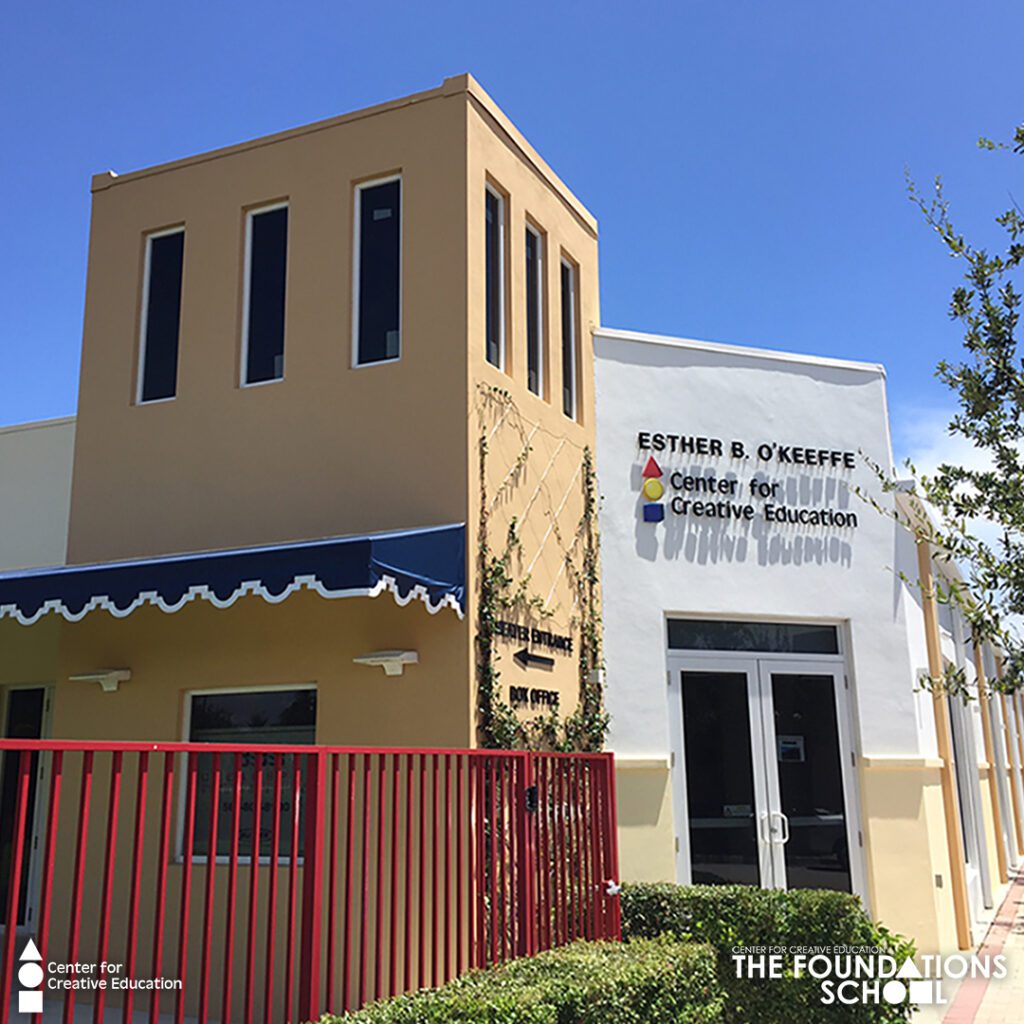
column 569, row 343
column 495, row 272
column 161, row 315
column 534, row 311
column 266, row 258
column 377, row 313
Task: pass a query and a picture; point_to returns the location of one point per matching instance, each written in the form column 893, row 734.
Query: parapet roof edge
column 617, row 334
column 107, row 179
column 452, row 86
column 480, row 95
column 57, row 421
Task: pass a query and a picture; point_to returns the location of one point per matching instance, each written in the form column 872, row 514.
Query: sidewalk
column 981, row 1001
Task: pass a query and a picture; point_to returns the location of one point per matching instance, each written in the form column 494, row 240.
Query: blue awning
column 427, row 564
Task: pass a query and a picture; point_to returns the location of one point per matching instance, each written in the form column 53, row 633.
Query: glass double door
column 766, row 772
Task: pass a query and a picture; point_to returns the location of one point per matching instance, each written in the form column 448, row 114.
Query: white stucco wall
column 746, row 569
column 35, row 492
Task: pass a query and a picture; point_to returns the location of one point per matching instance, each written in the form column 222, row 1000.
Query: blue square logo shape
column 654, row 513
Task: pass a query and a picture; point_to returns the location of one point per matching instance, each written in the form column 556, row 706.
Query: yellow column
column 954, row 836
column 1011, row 767
column 990, row 756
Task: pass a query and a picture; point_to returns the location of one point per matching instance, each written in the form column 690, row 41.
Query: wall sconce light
column 108, row 678
column 393, row 662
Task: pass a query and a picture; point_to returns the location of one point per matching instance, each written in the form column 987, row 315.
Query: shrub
column 658, row 981
column 725, row 916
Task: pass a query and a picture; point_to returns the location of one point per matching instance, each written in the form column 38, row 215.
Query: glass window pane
column 162, row 317
column 811, row 782
column 568, row 340
column 379, row 285
column 268, row 257
column 768, row 637
column 495, row 276
column 261, row 718
column 534, row 311
column 720, row 779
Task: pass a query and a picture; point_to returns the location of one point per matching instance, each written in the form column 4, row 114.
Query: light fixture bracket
column 393, row 662
column 108, row 678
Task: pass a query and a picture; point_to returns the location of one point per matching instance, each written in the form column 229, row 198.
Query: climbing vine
column 503, row 589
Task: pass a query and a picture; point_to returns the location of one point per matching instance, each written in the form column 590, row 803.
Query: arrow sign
column 526, row 658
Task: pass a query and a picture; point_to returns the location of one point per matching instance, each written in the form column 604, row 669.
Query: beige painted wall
column 646, row 832
column 329, row 449
column 35, row 492
column 305, row 639
column 30, row 654
column 905, row 841
column 533, row 469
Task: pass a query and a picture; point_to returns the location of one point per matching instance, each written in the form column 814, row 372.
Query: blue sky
column 745, row 159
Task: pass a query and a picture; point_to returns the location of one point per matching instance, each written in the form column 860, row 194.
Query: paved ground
column 997, row 1001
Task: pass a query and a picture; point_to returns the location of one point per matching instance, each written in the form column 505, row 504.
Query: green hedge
column 725, row 916
column 658, row 981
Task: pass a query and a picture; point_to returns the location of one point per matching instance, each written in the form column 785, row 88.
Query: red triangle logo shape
column 651, row 469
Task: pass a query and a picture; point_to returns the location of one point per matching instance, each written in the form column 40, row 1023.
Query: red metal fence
column 338, row 875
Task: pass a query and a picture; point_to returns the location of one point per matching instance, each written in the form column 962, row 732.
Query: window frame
column 186, row 729
column 502, row 200
column 357, row 221
column 251, row 212
column 540, row 238
column 140, row 375
column 566, row 262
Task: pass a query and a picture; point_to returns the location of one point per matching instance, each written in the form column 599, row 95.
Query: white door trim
column 679, row 662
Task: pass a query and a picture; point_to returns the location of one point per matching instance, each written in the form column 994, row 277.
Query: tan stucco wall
column 305, row 639
column 330, row 449
column 30, row 654
column 542, row 491
column 646, row 834
column 905, row 844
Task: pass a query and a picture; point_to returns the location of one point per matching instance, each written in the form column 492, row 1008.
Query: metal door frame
column 31, row 904
column 758, row 667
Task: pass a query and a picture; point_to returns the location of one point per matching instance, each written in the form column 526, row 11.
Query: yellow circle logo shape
column 653, row 489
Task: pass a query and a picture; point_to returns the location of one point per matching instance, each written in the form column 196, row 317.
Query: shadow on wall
column 708, row 540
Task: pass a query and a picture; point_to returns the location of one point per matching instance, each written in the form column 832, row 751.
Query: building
column 765, row 636
column 330, row 473
column 332, row 481
column 293, row 343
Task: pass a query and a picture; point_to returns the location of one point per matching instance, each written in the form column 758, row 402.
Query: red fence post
column 312, row 887
column 612, row 841
column 526, row 848
column 49, row 853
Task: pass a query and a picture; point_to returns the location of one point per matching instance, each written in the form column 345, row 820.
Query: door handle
column 784, row 823
column 765, row 834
